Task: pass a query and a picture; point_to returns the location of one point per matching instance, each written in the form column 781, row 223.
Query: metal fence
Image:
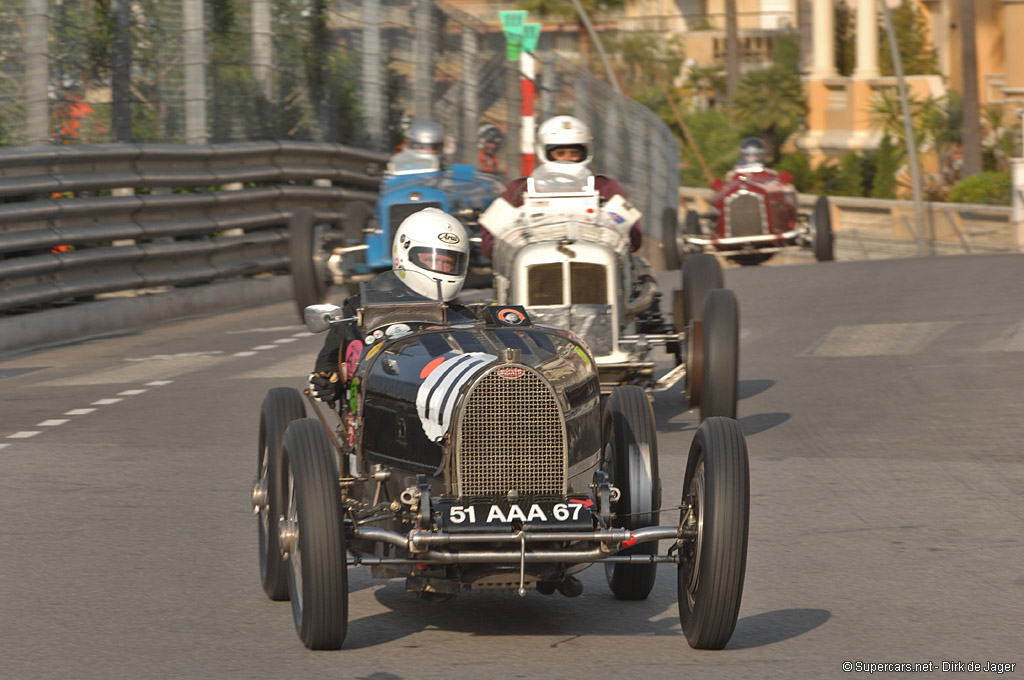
column 353, row 72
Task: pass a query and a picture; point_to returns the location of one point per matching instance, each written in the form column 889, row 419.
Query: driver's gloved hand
column 321, row 386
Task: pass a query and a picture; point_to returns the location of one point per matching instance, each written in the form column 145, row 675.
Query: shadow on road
column 751, row 388
column 771, row 627
column 759, row 422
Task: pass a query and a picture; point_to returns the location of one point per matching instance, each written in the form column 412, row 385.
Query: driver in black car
column 435, row 247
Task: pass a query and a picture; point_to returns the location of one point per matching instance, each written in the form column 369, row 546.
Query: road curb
column 70, row 324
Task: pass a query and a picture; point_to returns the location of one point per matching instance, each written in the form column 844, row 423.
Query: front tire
column 317, row 556
column 719, row 385
column 308, row 260
column 631, row 448
column 715, row 527
column 823, row 236
column 281, row 406
column 701, row 273
column 670, row 238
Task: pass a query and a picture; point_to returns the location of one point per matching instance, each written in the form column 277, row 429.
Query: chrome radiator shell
column 510, row 436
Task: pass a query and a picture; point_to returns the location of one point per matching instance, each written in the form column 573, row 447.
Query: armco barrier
column 83, row 221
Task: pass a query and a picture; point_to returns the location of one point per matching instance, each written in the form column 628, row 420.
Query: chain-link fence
column 354, row 72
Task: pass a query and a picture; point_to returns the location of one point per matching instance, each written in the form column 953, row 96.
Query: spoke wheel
column 631, row 459
column 714, row 526
column 313, row 538
column 281, row 406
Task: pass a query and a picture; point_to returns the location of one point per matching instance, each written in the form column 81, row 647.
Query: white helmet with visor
column 425, row 136
column 432, row 243
column 564, row 133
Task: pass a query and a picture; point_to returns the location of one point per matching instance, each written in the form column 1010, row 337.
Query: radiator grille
column 511, row 436
column 746, row 216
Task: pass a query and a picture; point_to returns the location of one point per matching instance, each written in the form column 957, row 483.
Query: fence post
column 513, row 152
column 262, row 48
column 373, row 74
column 195, row 72
column 470, row 96
column 422, row 50
column 37, row 71
column 121, row 74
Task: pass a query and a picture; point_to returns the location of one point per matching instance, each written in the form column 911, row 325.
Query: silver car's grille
column 511, row 436
column 746, row 215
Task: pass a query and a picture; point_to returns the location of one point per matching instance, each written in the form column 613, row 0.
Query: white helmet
column 563, row 132
column 425, row 136
column 433, row 243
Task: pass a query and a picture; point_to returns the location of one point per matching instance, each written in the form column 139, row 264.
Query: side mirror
column 319, row 317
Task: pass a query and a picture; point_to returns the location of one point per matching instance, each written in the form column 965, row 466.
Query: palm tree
column 970, row 134
column 771, row 100
column 732, row 49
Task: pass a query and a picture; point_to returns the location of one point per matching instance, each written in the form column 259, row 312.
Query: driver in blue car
column 424, row 143
column 431, row 244
column 564, row 140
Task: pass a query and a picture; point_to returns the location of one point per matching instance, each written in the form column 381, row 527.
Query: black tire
column 823, row 245
column 751, row 259
column 691, row 223
column 670, row 238
column 308, row 260
column 714, row 554
column 281, row 406
column 701, row 273
column 631, row 450
column 721, row 329
column 318, row 569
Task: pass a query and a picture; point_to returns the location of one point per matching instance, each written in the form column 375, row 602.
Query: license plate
column 574, row 514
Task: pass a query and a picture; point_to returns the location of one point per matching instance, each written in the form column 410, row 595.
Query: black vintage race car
column 474, row 451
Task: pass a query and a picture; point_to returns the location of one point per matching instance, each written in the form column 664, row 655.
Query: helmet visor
column 425, row 147
column 566, row 153
column 439, row 260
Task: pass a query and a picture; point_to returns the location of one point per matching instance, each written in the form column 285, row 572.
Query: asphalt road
column 884, row 416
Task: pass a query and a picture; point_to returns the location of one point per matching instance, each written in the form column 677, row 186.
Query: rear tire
column 714, row 553
column 721, row 355
column 308, row 260
column 280, row 407
column 823, row 241
column 631, row 447
column 701, row 273
column 318, row 568
column 691, row 223
column 670, row 238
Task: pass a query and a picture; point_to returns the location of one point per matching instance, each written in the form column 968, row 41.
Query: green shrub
column 991, row 188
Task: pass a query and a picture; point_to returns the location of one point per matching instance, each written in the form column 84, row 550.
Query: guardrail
column 79, row 221
column 867, row 228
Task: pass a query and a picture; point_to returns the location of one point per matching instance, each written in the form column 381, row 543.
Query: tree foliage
column 916, row 51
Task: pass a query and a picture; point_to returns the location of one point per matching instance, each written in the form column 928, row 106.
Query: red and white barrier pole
column 528, row 88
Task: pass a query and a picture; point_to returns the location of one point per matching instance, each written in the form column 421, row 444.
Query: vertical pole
column 527, row 75
column 970, row 121
column 373, row 74
column 37, row 71
column 470, row 95
column 908, row 129
column 195, row 72
column 423, row 41
column 121, row 73
column 1018, row 200
column 514, row 133
column 549, row 85
column 262, row 48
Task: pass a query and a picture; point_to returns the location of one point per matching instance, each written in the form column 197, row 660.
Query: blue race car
column 323, row 255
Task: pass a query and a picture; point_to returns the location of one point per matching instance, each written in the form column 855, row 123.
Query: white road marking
column 884, row 339
column 129, row 393
column 283, row 341
column 51, row 423
column 4, row 446
column 24, row 434
column 157, row 368
column 159, row 383
column 79, row 411
column 294, row 367
column 260, row 348
column 105, row 402
column 304, row 334
column 244, row 354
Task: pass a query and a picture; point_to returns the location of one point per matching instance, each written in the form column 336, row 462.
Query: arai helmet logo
column 448, row 237
column 511, row 372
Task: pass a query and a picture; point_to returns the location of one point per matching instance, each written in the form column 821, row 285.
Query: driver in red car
column 429, row 242
column 567, row 140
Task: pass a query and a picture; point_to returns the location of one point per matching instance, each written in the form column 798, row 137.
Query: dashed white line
column 24, row 434
column 105, row 402
column 79, row 411
column 305, row 334
column 244, row 354
column 260, row 348
column 52, row 422
column 130, row 393
column 283, row 341
column 158, row 383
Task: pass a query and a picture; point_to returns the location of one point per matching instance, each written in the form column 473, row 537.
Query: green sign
column 512, row 21
column 512, row 50
column 531, row 34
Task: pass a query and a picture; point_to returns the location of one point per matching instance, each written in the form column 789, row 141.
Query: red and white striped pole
column 528, row 89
